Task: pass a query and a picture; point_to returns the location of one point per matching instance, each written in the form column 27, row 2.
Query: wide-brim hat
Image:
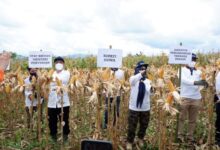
column 141, row 64
column 194, row 57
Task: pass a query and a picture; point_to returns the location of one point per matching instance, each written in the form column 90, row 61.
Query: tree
column 13, row 55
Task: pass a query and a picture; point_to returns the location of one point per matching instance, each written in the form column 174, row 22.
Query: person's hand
column 201, row 83
column 4, row 60
column 152, row 89
column 30, row 96
column 143, row 72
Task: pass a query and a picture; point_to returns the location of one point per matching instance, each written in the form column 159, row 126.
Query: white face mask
column 59, row 66
column 192, row 64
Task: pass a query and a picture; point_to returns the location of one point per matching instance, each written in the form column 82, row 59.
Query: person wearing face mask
column 31, row 95
column 56, row 98
column 118, row 74
column 139, row 105
column 191, row 99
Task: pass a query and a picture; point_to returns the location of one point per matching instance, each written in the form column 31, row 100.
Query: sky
column 83, row 26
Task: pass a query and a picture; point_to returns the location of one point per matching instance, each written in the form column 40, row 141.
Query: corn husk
column 161, row 73
column 58, row 82
column 106, row 74
column 7, row 89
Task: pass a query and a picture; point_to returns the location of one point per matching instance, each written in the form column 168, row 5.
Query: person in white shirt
column 217, row 108
column 191, row 98
column 56, row 99
column 30, row 95
column 139, row 104
column 118, row 74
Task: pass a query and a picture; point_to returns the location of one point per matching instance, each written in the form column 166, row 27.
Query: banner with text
column 40, row 59
column 109, row 58
column 180, row 55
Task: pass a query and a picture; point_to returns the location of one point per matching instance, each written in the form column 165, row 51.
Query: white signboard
column 180, row 55
column 109, row 58
column 40, row 59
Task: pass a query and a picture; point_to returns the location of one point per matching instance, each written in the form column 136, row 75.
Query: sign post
column 40, row 59
column 109, row 58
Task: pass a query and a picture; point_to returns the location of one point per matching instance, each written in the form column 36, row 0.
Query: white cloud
column 73, row 26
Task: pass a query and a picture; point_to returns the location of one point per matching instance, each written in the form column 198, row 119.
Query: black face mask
column 114, row 69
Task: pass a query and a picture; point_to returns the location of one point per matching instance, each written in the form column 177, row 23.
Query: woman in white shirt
column 139, row 104
column 55, row 100
column 30, row 95
column 217, row 106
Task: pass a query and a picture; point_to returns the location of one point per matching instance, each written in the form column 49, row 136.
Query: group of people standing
column 139, row 102
column 191, row 100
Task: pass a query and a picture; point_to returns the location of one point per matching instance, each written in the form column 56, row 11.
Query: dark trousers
column 54, row 114
column 135, row 117
column 217, row 122
column 116, row 109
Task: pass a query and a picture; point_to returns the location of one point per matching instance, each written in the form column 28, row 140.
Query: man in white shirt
column 118, row 74
column 139, row 105
column 56, row 99
column 217, row 107
column 191, row 98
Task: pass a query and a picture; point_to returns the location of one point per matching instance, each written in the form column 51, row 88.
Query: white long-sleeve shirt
column 134, row 81
column 54, row 100
column 119, row 74
column 27, row 92
column 217, row 84
column 188, row 89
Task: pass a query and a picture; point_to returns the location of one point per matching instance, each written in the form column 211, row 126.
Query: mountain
column 77, row 56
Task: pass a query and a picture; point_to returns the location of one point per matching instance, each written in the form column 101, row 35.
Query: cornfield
column 87, row 89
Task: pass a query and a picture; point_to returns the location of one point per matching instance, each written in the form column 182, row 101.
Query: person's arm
column 135, row 78
column 66, row 79
column 198, row 82
column 186, row 80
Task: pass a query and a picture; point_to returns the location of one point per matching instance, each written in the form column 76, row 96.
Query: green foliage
column 14, row 55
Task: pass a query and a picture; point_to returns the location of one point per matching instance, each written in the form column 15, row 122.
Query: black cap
column 140, row 64
column 194, row 57
column 59, row 59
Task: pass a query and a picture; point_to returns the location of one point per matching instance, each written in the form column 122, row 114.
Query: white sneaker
column 141, row 142
column 129, row 146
